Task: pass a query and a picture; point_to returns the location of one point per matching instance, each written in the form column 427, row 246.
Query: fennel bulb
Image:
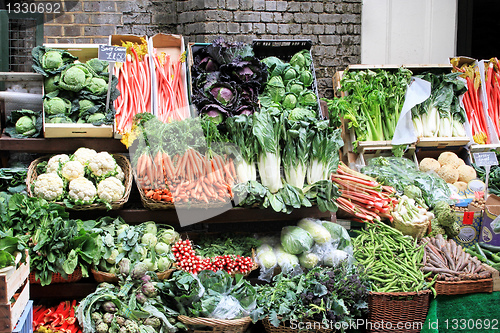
column 245, row 171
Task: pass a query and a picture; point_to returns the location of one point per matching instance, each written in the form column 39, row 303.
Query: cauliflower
column 120, row 175
column 449, row 158
column 448, row 173
column 55, row 162
column 102, row 164
column 72, row 170
column 466, row 173
column 429, row 164
column 82, row 190
column 84, row 155
column 48, row 186
column 110, row 189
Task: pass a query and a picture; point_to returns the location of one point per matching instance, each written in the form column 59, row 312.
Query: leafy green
column 48, row 61
column 24, row 124
column 13, row 180
column 211, row 246
column 494, row 176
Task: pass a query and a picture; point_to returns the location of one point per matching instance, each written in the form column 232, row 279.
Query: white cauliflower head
column 120, row 175
column 48, row 186
column 72, row 170
column 82, row 189
column 84, row 155
column 55, row 161
column 110, row 189
column 102, row 164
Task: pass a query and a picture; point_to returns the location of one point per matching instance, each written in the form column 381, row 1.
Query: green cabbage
column 56, row 105
column 306, row 77
column 290, row 101
column 26, row 125
column 319, row 233
column 49, row 84
column 296, row 240
column 295, row 86
column 275, row 88
column 75, row 77
column 339, row 234
column 286, row 260
column 309, row 260
column 266, row 256
column 302, row 59
column 52, row 60
column 98, row 86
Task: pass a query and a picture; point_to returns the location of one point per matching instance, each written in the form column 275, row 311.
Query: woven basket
column 121, row 160
column 464, row 287
column 316, row 327
column 391, row 309
column 57, row 278
column 415, row 230
column 113, row 278
column 210, row 325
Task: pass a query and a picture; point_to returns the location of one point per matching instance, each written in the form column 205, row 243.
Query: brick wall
column 334, row 26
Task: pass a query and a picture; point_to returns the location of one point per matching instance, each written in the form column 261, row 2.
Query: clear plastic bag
column 228, row 308
column 266, row 258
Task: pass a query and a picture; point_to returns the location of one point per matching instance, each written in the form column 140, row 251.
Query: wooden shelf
column 58, row 145
column 66, row 291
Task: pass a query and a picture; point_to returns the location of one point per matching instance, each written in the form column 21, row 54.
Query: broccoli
column 445, row 215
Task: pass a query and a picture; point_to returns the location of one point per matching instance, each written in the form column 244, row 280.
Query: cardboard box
column 84, row 52
column 491, row 218
column 174, row 46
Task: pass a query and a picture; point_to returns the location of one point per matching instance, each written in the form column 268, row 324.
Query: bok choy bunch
column 296, row 152
column 441, row 114
column 268, row 128
column 324, row 144
column 240, row 129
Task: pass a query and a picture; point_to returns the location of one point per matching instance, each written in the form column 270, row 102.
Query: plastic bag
column 309, row 260
column 334, row 257
column 288, row 263
column 266, row 258
column 228, row 308
column 340, row 237
column 296, row 240
column 317, row 231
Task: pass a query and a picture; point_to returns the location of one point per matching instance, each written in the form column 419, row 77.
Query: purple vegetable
column 139, row 271
column 107, row 317
column 141, row 298
column 124, row 267
column 109, row 307
column 146, row 278
column 149, row 289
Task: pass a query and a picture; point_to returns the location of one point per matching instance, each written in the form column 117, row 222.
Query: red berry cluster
column 187, row 260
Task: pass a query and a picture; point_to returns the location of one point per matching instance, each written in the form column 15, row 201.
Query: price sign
column 112, row 53
column 485, row 159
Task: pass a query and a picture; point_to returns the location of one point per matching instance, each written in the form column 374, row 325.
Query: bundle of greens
column 75, row 92
column 400, row 173
column 133, row 306
column 373, row 102
column 226, row 244
column 325, row 295
column 24, row 124
column 13, row 180
column 10, row 247
column 227, row 79
column 441, row 114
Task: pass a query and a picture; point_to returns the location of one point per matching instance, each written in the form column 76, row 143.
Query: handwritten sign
column 485, row 159
column 112, row 53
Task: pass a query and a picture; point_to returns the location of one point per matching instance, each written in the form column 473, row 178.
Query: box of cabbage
column 83, row 52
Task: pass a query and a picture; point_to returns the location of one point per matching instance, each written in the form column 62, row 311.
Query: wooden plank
column 77, row 130
column 20, row 76
column 63, row 291
column 9, row 284
column 476, row 148
column 42, row 145
column 442, row 142
column 10, row 313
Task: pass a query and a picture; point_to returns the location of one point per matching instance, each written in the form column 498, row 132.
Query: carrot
column 150, row 193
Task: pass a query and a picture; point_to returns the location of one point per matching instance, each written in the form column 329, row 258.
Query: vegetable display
column 450, row 168
column 75, row 92
column 227, row 79
column 133, row 306
column 134, row 84
column 487, row 256
column 449, row 262
column 48, row 319
column 362, row 196
column 83, row 178
column 373, row 102
column 472, row 104
column 441, row 114
column 393, row 261
column 326, row 295
column 401, row 172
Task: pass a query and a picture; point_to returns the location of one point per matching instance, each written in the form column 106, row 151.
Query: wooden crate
column 496, row 277
column 13, row 281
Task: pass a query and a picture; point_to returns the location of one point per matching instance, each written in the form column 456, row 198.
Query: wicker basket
column 415, row 230
column 121, row 160
column 316, row 327
column 211, row 325
column 57, row 278
column 113, row 278
column 464, row 287
column 390, row 309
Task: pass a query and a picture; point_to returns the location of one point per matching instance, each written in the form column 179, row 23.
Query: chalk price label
column 112, row 53
column 485, row 159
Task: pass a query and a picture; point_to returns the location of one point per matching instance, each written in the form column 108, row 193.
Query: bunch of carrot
column 472, row 103
column 493, row 93
column 190, row 177
column 134, row 84
column 362, row 196
column 60, row 318
column 171, row 93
